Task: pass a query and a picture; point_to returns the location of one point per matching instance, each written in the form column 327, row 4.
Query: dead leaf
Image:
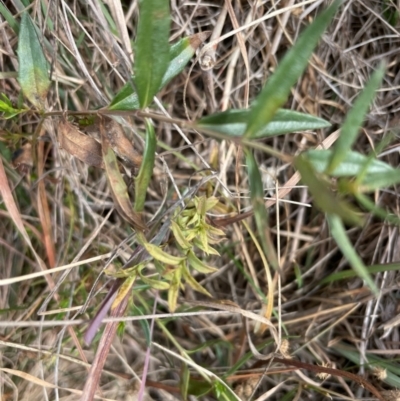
column 118, row 141
column 117, row 184
column 22, row 159
column 79, row 145
column 198, row 38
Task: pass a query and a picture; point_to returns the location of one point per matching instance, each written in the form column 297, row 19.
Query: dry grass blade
column 92, row 382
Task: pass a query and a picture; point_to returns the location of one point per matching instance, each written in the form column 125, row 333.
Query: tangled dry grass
column 68, row 211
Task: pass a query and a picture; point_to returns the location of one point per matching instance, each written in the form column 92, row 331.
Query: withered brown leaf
column 79, row 145
column 117, row 184
column 118, row 141
column 22, row 158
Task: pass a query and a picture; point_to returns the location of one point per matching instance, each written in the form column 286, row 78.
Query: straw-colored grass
column 68, row 213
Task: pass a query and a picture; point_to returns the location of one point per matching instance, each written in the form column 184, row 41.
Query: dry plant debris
column 66, row 206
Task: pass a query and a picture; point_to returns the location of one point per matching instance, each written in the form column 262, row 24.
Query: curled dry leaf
column 22, row 158
column 79, row 145
column 117, row 184
column 118, row 141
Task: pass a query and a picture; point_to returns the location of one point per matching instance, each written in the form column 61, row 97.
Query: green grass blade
column 5, row 12
column 32, row 75
column 146, row 169
column 152, row 48
column 277, row 89
column 392, row 369
column 234, row 122
column 260, row 212
column 354, row 120
column 339, row 234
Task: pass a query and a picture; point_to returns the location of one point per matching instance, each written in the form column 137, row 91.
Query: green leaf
column 277, row 89
column 179, row 236
column 323, row 196
column 32, row 75
column 194, row 284
column 354, row 120
column 152, row 48
column 126, row 99
column 392, row 369
column 234, row 122
column 156, row 284
column 7, row 108
column 162, row 256
column 124, row 289
column 198, row 264
column 223, row 392
column 260, row 212
column 184, row 381
column 146, row 169
column 339, row 234
column 376, row 210
column 4, row 11
column 179, row 55
column 173, row 291
column 378, row 174
column 136, row 311
column 373, row 269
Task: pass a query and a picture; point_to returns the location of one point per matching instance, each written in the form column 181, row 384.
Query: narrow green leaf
column 351, row 165
column 32, row 75
column 234, row 122
column 124, row 289
column 223, row 392
column 373, row 208
column 144, row 323
column 184, row 381
column 179, row 55
column 354, row 120
column 179, row 236
column 146, row 169
column 339, row 234
column 173, row 291
column 391, row 367
column 4, row 11
column 211, row 202
column 198, row 264
column 373, row 269
column 162, row 256
column 260, row 212
column 194, row 284
column 377, row 175
column 7, row 108
column 323, row 196
column 156, row 284
column 207, row 249
column 152, row 48
column 126, row 98
column 277, row 89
